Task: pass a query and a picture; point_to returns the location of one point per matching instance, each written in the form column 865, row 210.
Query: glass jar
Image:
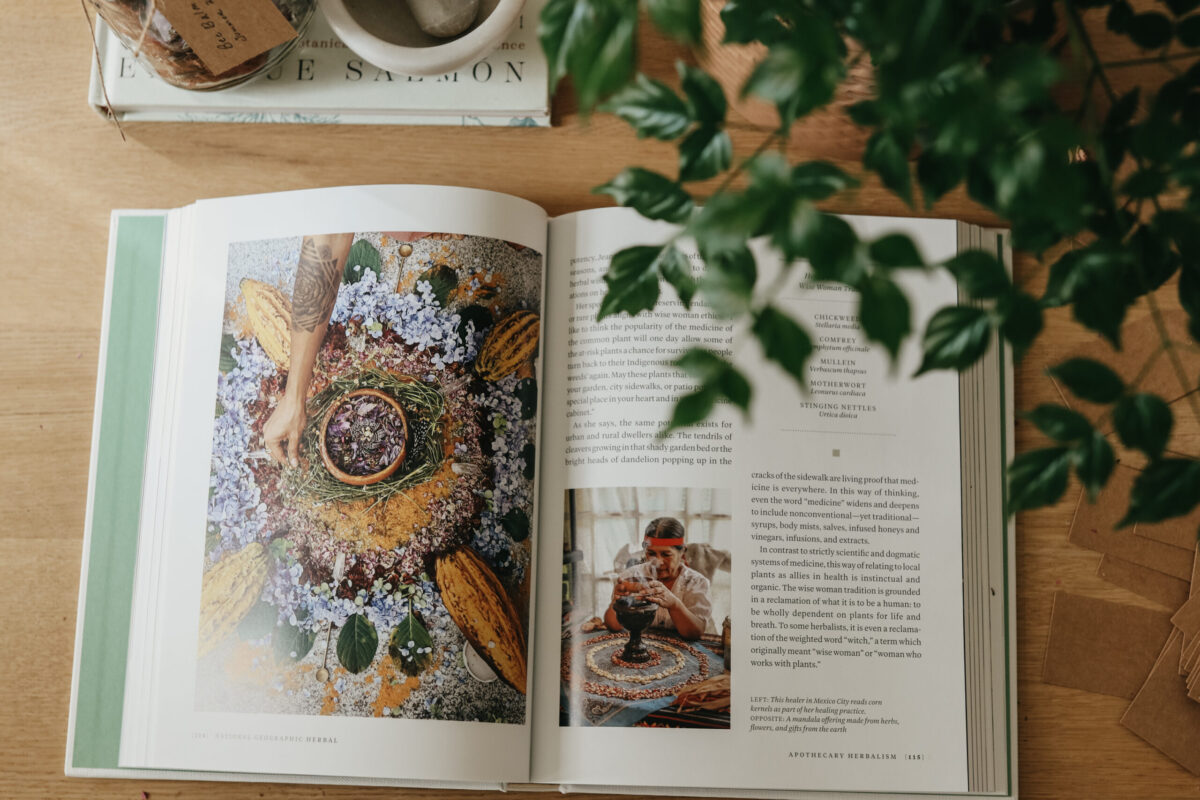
column 144, row 30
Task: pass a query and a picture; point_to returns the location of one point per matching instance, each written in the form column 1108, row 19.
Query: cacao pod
column 228, row 592
column 508, row 345
column 484, row 613
column 270, row 316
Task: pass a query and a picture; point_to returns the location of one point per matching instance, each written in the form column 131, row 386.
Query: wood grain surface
column 62, row 168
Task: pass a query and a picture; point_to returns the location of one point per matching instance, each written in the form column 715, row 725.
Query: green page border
column 116, row 502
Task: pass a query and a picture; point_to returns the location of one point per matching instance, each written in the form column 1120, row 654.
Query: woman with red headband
column 665, row 579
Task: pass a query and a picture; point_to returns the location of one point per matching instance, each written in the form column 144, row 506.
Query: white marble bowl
column 384, row 33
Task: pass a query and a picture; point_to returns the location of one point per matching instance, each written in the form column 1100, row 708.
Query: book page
column 362, row 608
column 809, row 633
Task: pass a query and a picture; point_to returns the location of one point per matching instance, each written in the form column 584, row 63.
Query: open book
column 374, row 499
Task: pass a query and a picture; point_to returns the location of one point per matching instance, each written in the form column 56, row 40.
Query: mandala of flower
column 466, row 478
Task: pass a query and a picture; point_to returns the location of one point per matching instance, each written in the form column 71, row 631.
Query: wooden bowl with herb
column 364, row 437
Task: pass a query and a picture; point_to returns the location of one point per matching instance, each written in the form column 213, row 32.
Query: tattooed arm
column 318, row 273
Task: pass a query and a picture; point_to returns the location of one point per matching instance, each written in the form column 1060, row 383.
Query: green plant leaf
column 817, row 180
column 727, row 283
column 651, row 108
column 227, row 362
column 1120, row 13
column 1021, row 320
column 632, row 280
column 1188, row 31
column 1143, row 422
column 676, row 270
column 1038, row 478
column 703, row 153
column 529, row 456
column 477, row 314
column 362, row 257
column 357, row 643
column 1149, row 31
column 1059, row 422
column 527, row 393
column 1182, row 8
column 955, row 338
column 979, row 272
column 888, row 156
column 827, row 241
column 690, row 409
column 291, row 642
column 591, row 40
column 679, row 19
column 516, row 524
column 442, row 281
column 705, row 97
column 716, row 375
column 937, row 174
column 1165, row 489
column 652, row 195
column 784, row 342
column 1094, row 462
column 884, row 312
column 895, row 250
column 259, row 622
column 749, row 20
column 410, row 646
column 1089, row 380
column 1145, row 183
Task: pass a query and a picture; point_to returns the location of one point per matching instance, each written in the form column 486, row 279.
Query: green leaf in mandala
column 679, row 19
column 529, row 456
column 227, row 362
column 703, row 153
column 652, row 195
column 884, row 312
column 981, row 273
column 676, row 269
column 219, row 410
column 1021, row 320
column 1188, row 31
column 1149, row 31
column 477, row 314
column 516, row 524
column 527, row 392
column 410, row 646
column 955, row 338
column 651, row 108
column 1143, row 422
column 705, row 97
column 1094, row 462
column 291, row 642
column 817, row 180
column 357, row 643
column 1059, row 422
column 895, row 250
column 442, row 281
column 1089, row 380
column 363, row 257
column 1166, row 488
column 632, row 280
column 259, row 622
column 1038, row 478
column 727, row 283
column 784, row 342
column 888, row 156
column 690, row 409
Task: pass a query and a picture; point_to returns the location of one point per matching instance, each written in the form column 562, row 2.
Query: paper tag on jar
column 225, row 33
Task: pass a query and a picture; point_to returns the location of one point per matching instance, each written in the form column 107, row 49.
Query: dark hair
column 666, row 528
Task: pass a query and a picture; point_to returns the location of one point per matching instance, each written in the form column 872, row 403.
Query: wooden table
column 62, row 169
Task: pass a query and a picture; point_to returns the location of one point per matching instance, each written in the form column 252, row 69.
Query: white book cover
column 323, row 81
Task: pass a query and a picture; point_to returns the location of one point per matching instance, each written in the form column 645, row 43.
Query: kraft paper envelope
column 1159, row 587
column 1163, row 715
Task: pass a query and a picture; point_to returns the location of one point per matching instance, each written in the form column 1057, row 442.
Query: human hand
column 286, row 424
column 658, row 593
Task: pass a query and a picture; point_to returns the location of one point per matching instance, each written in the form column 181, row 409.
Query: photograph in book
column 368, row 538
column 646, row 608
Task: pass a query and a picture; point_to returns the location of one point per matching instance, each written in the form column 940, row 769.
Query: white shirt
column 690, row 587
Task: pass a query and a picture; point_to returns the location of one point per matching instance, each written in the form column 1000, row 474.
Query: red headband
column 657, row 542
